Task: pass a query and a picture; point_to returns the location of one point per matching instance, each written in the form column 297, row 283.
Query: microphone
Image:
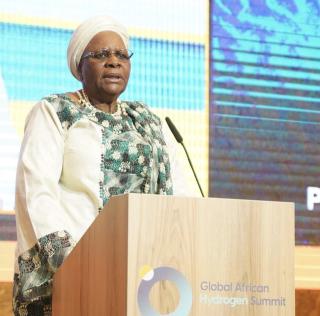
column 179, row 139
column 174, row 131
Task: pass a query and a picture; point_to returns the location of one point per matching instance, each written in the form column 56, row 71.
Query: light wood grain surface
column 218, row 241
column 207, row 240
column 93, row 279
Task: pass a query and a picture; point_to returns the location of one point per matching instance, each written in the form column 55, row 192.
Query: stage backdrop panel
column 265, row 104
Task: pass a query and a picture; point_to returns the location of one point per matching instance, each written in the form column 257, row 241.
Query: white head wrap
column 85, row 32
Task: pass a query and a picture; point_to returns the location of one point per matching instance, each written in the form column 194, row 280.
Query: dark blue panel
column 265, row 104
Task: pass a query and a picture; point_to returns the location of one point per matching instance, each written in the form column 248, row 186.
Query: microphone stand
column 179, row 139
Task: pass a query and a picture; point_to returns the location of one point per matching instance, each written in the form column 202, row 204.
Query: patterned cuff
column 33, row 284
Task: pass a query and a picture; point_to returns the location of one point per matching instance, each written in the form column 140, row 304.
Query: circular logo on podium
column 150, row 276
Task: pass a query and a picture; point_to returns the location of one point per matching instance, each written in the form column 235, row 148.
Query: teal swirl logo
column 150, row 276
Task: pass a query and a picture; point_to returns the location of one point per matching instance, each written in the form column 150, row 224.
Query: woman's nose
column 112, row 61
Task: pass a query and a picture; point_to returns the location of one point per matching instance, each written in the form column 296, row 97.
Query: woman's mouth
column 113, row 77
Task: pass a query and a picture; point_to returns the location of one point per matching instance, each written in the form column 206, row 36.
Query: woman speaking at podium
column 79, row 149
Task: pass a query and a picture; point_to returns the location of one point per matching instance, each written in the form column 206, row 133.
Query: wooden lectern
column 149, row 255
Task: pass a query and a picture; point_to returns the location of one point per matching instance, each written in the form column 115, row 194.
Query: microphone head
column 174, row 131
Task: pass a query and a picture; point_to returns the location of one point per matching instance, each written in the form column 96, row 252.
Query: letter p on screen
column 313, row 197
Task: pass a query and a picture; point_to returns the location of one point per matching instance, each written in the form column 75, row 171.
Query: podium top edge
column 197, row 198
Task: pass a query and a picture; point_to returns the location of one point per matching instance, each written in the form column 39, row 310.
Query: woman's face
column 104, row 79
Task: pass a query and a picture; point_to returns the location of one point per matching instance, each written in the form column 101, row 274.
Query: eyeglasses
column 105, row 53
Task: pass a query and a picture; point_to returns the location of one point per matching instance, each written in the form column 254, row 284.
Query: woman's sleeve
column 38, row 172
column 43, row 242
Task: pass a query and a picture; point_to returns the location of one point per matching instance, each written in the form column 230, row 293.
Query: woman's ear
column 80, row 71
column 80, row 75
